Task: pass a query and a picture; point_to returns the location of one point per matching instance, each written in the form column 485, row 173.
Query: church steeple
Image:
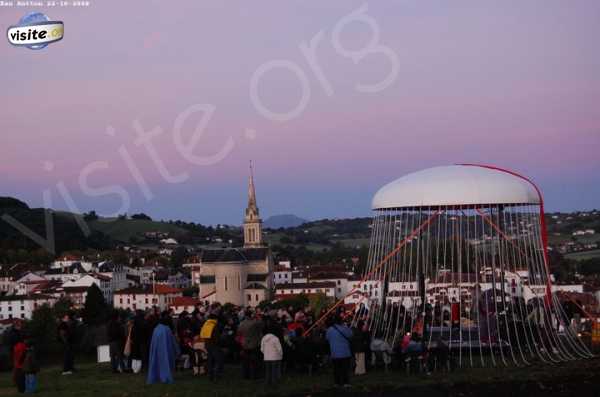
column 251, row 190
column 252, row 221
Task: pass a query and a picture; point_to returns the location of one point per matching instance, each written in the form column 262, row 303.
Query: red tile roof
column 184, row 301
column 158, row 289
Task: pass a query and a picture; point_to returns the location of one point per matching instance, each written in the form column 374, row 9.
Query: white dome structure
column 459, row 254
column 456, row 185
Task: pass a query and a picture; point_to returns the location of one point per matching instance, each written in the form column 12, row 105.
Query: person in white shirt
column 272, row 351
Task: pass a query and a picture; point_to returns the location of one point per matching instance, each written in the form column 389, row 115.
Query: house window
column 249, row 297
column 257, row 297
column 225, row 283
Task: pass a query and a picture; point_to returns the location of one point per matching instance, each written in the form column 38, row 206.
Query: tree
column 178, row 257
column 297, row 302
column 319, row 303
column 90, row 216
column 42, row 328
column 141, row 216
column 61, row 307
column 94, row 310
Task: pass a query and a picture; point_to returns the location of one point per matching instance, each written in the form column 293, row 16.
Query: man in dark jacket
column 66, row 335
column 250, row 332
column 115, row 342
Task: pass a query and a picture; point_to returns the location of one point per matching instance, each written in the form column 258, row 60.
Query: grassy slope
column 122, row 230
column 538, row 380
column 578, row 256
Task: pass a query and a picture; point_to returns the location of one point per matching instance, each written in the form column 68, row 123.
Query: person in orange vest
column 210, row 333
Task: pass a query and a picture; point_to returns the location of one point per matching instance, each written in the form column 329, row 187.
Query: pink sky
column 510, row 83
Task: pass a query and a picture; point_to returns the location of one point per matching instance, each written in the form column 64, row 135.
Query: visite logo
column 35, row 31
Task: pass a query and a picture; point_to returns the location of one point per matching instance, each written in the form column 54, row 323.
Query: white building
column 339, row 279
column 327, row 288
column 147, row 297
column 70, row 260
column 282, row 275
column 195, row 273
column 22, row 306
column 241, row 276
column 103, row 282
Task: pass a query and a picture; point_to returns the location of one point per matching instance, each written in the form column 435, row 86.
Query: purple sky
column 511, row 83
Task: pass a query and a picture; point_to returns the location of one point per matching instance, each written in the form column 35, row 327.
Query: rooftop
column 234, row 255
column 158, row 289
column 324, row 284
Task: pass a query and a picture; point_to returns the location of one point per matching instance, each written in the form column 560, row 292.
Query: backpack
column 207, row 329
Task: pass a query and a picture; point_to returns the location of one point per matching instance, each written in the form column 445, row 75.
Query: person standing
column 250, row 333
column 360, row 344
column 211, row 335
column 66, row 337
column 137, row 341
column 30, row 368
column 164, row 350
column 19, row 351
column 270, row 346
column 339, row 337
column 115, row 342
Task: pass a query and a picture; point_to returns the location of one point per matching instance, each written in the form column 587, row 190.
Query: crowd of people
column 267, row 343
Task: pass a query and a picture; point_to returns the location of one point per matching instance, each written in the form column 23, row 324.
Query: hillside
column 279, row 221
column 16, row 246
column 128, row 230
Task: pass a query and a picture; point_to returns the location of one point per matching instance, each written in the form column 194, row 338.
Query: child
column 30, row 368
column 273, row 354
column 18, row 359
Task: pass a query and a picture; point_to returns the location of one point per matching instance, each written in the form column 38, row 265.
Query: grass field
column 578, row 256
column 540, row 380
column 354, row 242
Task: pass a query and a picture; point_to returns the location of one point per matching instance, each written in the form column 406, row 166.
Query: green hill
column 126, row 230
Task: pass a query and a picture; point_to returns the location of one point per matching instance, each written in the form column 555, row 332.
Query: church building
column 241, row 276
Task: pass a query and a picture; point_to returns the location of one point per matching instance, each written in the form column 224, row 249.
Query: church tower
column 252, row 221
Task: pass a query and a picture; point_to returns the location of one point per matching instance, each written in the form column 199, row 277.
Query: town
column 144, row 278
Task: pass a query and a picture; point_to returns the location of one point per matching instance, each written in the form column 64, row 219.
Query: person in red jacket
column 18, row 360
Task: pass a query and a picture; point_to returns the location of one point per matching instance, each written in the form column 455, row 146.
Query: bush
column 42, row 330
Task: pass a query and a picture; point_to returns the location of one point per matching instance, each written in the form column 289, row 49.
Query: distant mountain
column 279, row 221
